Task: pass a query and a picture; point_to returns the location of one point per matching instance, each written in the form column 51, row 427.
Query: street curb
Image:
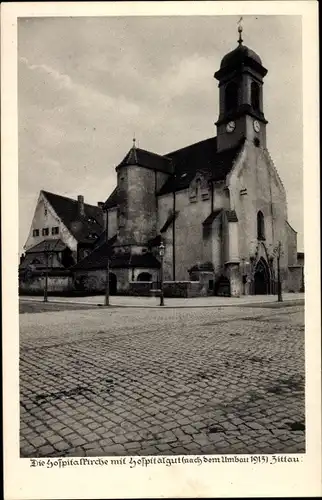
column 115, row 306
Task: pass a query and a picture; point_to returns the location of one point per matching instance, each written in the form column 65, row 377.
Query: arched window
column 231, row 96
column 255, row 96
column 260, row 226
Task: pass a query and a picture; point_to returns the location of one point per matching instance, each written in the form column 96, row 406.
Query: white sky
column 86, row 85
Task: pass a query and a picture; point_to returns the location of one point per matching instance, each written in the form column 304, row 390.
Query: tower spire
column 132, row 156
column 240, row 30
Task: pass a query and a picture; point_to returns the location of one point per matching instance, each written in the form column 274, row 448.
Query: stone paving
column 162, row 381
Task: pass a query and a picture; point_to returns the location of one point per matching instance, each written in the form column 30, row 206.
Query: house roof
column 202, row 156
column 147, row 159
column 98, row 259
column 36, row 256
column 49, row 245
column 83, row 228
column 146, row 260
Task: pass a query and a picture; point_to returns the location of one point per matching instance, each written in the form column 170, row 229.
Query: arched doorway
column 144, row 277
column 113, row 284
column 261, row 278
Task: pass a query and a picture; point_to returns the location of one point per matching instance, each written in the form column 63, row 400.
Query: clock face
column 230, row 127
column 256, row 126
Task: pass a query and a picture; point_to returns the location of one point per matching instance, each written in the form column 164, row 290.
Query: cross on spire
column 240, row 30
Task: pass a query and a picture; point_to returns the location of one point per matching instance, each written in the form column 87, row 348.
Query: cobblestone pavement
column 154, row 381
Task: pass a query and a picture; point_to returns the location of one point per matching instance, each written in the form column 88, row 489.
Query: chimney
column 100, row 204
column 80, row 202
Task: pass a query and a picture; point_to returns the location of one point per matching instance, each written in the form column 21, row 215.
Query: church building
column 218, row 206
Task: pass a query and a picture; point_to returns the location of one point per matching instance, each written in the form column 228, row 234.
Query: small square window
column 55, row 230
column 35, row 232
column 45, row 231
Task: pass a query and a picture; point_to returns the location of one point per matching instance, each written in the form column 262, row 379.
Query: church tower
column 241, row 114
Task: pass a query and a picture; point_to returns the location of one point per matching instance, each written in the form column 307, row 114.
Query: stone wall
column 189, row 246
column 140, row 288
column 183, row 289
column 138, row 207
column 35, row 285
column 295, row 279
column 255, row 185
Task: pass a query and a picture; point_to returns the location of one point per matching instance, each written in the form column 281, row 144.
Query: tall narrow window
column 231, row 96
column 255, row 96
column 260, row 226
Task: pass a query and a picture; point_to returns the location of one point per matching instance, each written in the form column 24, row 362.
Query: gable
column 45, row 217
column 84, row 228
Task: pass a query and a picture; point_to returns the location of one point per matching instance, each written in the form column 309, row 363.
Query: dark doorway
column 222, row 287
column 261, row 278
column 113, row 284
column 144, row 277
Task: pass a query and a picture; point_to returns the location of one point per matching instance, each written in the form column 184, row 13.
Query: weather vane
column 240, row 30
column 134, row 140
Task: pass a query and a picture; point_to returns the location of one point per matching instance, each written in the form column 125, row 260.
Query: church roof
column 201, row 156
column 147, row 159
column 238, row 59
column 238, row 55
column 85, row 228
column 98, row 259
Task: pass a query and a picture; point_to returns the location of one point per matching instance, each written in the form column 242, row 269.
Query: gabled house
column 63, row 231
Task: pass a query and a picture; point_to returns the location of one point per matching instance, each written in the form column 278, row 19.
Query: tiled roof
column 202, row 156
column 98, row 259
column 185, row 162
column 101, row 240
column 113, row 199
column 81, row 227
column 50, row 245
column 38, row 261
column 143, row 158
